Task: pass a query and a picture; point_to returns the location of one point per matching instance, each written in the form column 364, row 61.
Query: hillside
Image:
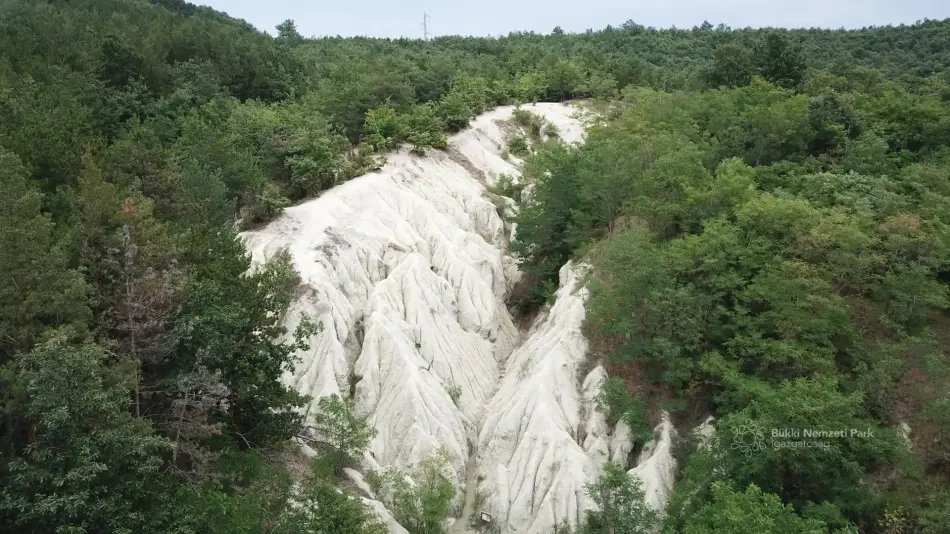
column 759, row 217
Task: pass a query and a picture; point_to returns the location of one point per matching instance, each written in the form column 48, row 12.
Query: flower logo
column 748, row 438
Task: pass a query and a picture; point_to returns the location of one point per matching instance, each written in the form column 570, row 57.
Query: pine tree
column 37, row 289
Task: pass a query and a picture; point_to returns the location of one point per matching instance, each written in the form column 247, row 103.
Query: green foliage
column 425, row 127
column 599, row 85
column 455, row 110
column 38, row 290
column 807, row 404
column 619, row 405
column 245, row 494
column 772, row 56
column 780, row 61
column 518, row 146
column 235, row 319
column 749, row 512
column 287, row 33
column 564, row 79
column 383, row 128
column 375, row 480
column 621, row 508
column 325, row 509
column 778, row 255
column 250, row 493
column 530, row 122
column 732, row 67
column 422, row 505
column 92, row 466
column 337, row 424
column 789, row 227
column 544, row 221
column 505, row 186
column 454, row 391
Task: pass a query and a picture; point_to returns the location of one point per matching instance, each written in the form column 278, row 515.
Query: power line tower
column 425, row 26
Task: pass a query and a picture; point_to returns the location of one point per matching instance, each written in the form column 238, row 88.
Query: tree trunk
column 129, row 312
column 340, row 458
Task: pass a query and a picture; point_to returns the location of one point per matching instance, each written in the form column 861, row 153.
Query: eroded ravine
column 407, row 271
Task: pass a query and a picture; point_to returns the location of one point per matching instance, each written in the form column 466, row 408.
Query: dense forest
column 775, row 253
column 764, row 210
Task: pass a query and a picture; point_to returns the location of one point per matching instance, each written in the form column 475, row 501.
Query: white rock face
column 403, row 268
column 532, row 459
column 656, row 467
column 385, row 517
column 484, row 141
column 705, row 430
column 905, row 433
column 407, row 271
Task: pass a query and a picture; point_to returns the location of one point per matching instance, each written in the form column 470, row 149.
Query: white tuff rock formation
column 407, row 271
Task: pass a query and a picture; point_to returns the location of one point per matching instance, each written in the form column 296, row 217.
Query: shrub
column 425, row 128
column 530, row 122
column 455, row 111
column 338, row 425
column 621, row 507
column 620, row 406
column 423, row 504
column 454, row 391
column 506, row 187
column 384, row 128
column 518, row 146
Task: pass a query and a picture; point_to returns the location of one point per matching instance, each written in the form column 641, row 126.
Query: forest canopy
column 776, row 256
column 788, row 188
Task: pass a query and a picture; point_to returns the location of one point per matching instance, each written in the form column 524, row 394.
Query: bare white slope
column 406, row 269
column 483, row 142
column 543, row 440
column 532, row 465
column 403, row 269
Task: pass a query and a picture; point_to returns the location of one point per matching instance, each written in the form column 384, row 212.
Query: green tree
column 425, row 127
column 732, row 67
column 232, row 321
column 563, row 79
column 814, row 404
column 422, row 504
column 337, row 424
column 749, row 512
column 326, row 509
column 834, row 121
column 599, row 85
column 89, row 465
column 619, row 405
column 287, row 33
column 544, row 219
column 780, row 61
column 455, row 110
column 39, row 290
column 384, row 128
column 621, row 508
column 251, row 493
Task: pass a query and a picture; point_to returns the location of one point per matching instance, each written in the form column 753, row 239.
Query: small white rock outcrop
column 656, row 467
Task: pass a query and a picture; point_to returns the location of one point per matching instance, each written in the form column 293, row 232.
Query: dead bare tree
column 140, row 318
column 196, row 395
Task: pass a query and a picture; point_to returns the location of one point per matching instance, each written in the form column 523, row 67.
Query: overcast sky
column 396, row 18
